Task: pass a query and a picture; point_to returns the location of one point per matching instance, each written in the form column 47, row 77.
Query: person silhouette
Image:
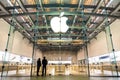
column 38, row 66
column 44, row 64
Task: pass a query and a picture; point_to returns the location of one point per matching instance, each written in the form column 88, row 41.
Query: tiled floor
column 70, row 77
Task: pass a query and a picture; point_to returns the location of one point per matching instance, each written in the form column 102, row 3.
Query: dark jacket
column 44, row 62
column 38, row 63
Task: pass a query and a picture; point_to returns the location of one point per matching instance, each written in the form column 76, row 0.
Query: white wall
column 98, row 46
column 38, row 54
column 20, row 46
column 115, row 30
column 4, row 28
column 81, row 54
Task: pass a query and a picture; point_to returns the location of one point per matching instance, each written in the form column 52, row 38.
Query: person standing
column 38, row 66
column 44, row 64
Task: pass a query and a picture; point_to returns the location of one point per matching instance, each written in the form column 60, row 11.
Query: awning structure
column 86, row 19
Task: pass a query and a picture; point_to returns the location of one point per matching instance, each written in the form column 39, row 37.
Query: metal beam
column 57, row 34
column 3, row 8
column 64, row 6
column 7, row 12
column 24, row 9
column 95, row 10
column 116, row 9
column 40, row 2
column 98, row 5
column 65, row 13
column 76, row 15
column 62, row 35
column 101, row 24
column 48, row 27
column 28, row 37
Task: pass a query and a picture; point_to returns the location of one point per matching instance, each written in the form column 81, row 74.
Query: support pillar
column 85, row 39
column 8, row 49
column 111, row 47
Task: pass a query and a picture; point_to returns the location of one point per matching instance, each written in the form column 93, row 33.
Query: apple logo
column 58, row 24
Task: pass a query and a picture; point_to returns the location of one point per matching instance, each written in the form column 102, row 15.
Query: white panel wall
column 21, row 46
column 38, row 54
column 115, row 30
column 4, row 29
column 81, row 54
column 98, row 46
